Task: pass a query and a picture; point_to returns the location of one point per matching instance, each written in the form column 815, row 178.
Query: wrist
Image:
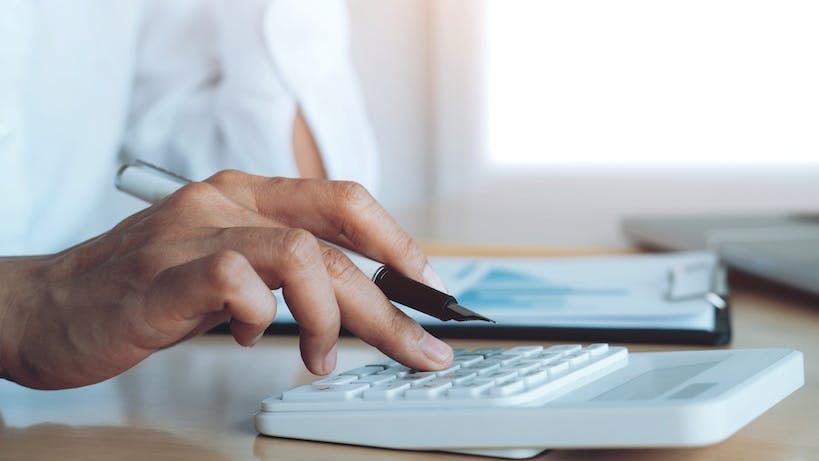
column 17, row 275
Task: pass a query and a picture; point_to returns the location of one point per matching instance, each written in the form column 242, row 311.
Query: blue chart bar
column 518, row 290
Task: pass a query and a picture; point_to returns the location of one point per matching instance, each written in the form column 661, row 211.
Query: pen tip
column 464, row 314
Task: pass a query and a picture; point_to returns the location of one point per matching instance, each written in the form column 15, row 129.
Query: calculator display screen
column 654, row 383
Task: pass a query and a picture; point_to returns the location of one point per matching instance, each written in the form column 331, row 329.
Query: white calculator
column 516, row 402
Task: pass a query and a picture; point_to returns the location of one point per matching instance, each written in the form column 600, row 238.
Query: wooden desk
column 196, row 401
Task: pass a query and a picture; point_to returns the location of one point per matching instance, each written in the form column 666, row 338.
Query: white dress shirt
column 195, row 86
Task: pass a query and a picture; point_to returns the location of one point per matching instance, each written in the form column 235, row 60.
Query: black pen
column 151, row 183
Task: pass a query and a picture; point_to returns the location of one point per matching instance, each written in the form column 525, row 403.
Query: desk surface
column 196, row 401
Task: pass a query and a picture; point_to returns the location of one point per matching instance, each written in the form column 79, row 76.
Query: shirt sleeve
column 218, row 83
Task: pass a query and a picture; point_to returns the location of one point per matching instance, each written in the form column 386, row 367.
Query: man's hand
column 212, row 252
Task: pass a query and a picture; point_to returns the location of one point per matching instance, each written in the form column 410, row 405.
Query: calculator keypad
column 487, row 376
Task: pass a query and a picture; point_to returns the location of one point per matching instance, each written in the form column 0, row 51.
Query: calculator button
column 565, row 349
column 386, row 391
column 509, row 359
column 386, row 363
column 525, row 351
column 509, row 388
column 557, row 368
column 429, row 389
column 336, row 380
column 535, row 378
column 578, row 358
column 501, row 376
column 447, row 371
column 525, row 366
column 462, row 375
column 488, row 351
column 486, row 366
column 375, row 379
column 597, row 349
column 459, row 352
column 398, row 371
column 322, row 393
column 472, row 388
column 418, row 377
column 364, row 371
column 547, row 357
column 467, row 360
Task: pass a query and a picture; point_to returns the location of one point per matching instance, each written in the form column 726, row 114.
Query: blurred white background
column 536, row 122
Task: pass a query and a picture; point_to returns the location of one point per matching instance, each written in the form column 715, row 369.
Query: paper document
column 639, row 291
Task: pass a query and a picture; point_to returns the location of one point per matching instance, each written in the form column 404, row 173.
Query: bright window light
column 648, row 82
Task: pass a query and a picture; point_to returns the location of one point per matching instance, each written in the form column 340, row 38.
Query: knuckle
column 410, row 250
column 338, row 265
column 278, row 181
column 195, row 193
column 353, row 196
column 225, row 177
column 224, row 271
column 300, row 246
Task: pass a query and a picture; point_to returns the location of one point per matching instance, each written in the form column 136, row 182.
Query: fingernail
column 330, row 360
column 256, row 339
column 435, row 349
column 432, row 279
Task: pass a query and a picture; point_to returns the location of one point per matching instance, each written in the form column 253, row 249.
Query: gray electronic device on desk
column 783, row 248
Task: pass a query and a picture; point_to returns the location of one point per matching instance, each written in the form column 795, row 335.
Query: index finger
column 341, row 212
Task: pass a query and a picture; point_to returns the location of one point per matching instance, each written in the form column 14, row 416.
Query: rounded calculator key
column 557, row 368
column 535, row 378
column 578, row 358
column 323, row 393
column 363, row 371
column 488, row 368
column 508, row 388
column 470, row 389
column 450, row 370
column 398, row 371
column 488, row 351
column 467, row 360
column 429, row 389
column 509, row 359
column 547, row 357
column 418, row 377
column 336, row 380
column 525, row 366
column 525, row 351
column 386, row 391
column 485, row 366
column 597, row 349
column 376, row 379
column 565, row 349
column 501, row 376
column 384, row 363
column 462, row 375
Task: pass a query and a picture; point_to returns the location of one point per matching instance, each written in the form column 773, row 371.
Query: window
column 568, row 115
column 647, row 82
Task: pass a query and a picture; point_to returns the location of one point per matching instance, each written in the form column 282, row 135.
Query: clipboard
column 694, row 277
column 673, row 298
